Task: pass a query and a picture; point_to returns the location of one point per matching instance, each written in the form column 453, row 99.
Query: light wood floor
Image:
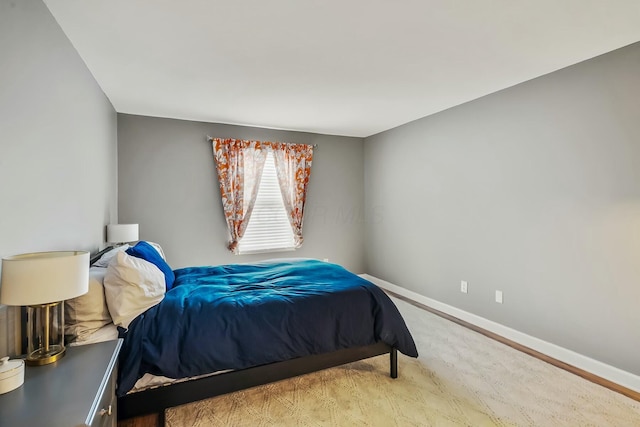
column 146, row 421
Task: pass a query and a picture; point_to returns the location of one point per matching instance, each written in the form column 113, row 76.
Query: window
column 238, row 163
column 269, row 228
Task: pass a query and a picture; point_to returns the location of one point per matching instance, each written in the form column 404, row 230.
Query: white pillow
column 87, row 313
column 132, row 286
column 108, row 256
column 106, row 333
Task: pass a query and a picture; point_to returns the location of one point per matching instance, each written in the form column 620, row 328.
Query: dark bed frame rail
column 156, row 400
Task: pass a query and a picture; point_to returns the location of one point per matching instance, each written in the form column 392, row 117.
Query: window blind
column 269, row 228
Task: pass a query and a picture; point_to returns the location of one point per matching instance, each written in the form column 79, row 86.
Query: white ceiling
column 349, row 67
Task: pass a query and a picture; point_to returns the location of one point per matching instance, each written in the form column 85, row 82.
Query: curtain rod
column 313, row 145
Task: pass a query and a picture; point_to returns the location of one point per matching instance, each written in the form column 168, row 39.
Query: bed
column 225, row 328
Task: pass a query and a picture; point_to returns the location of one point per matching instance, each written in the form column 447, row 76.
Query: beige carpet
column 460, row 379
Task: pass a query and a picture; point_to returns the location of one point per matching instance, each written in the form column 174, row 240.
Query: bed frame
column 156, row 400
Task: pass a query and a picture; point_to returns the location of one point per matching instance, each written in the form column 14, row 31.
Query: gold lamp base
column 45, row 333
column 44, row 357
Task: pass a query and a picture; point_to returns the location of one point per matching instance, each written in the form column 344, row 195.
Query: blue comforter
column 243, row 315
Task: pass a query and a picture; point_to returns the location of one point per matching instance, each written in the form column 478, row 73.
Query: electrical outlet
column 499, row 297
column 463, row 286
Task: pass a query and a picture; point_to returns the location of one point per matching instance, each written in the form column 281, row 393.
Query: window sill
column 265, row 251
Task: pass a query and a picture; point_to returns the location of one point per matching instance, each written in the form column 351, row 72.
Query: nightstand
column 77, row 390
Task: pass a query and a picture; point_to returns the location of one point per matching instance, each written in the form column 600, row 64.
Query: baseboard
column 592, row 366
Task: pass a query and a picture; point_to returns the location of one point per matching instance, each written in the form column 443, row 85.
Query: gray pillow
column 87, row 313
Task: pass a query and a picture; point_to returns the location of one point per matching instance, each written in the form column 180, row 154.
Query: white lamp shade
column 120, row 233
column 44, row 277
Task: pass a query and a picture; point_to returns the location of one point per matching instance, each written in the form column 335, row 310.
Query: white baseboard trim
column 611, row 373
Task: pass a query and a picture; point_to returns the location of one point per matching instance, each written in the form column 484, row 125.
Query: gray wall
column 58, row 144
column 168, row 185
column 535, row 191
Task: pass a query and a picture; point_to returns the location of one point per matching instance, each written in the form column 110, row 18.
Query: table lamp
column 122, row 233
column 42, row 281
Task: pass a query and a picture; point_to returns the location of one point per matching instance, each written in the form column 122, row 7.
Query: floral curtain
column 239, row 164
column 293, row 167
